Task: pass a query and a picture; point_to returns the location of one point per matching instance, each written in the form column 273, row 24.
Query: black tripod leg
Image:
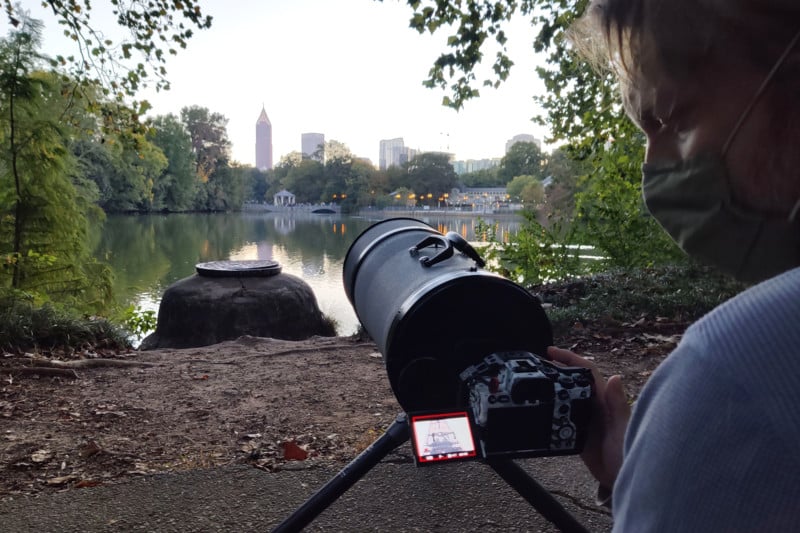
column 536, row 495
column 394, row 436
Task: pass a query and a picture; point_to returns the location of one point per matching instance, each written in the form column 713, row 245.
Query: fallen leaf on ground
column 293, row 452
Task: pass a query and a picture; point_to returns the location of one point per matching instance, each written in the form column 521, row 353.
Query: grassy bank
column 681, row 293
column 25, row 328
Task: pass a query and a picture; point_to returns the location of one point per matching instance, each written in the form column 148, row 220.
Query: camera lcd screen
column 441, row 437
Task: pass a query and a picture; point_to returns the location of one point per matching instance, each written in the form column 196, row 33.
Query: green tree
column 430, row 175
column 487, row 177
column 280, row 173
column 174, row 189
column 396, row 177
column 613, row 217
column 563, row 171
column 523, row 158
column 122, row 164
column 360, row 186
column 291, row 159
column 226, row 189
column 211, row 148
column 43, row 223
column 471, row 23
column 256, row 183
column 210, row 143
column 124, row 168
column 582, row 106
column 532, row 194
column 137, row 164
column 155, row 29
column 338, row 163
column 95, row 164
column 306, row 181
column 334, row 149
column 527, row 189
column 378, row 180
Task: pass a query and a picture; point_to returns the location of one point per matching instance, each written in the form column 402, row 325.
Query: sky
column 350, row 69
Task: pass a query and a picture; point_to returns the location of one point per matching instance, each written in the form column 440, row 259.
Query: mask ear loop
column 757, row 97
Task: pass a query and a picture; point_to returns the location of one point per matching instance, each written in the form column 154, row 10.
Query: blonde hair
column 685, row 35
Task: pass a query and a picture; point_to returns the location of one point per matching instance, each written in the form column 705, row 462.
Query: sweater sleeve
column 712, row 443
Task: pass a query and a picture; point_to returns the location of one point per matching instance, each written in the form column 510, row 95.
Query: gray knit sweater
column 714, row 441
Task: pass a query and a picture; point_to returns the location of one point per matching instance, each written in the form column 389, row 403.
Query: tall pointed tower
column 263, row 141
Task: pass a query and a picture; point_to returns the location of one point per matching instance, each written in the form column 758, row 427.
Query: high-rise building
column 523, row 138
column 392, row 153
column 474, row 165
column 313, row 146
column 263, row 141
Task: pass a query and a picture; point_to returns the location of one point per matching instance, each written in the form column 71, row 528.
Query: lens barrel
column 433, row 314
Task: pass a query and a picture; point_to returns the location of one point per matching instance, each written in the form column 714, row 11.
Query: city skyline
column 364, row 84
column 393, row 152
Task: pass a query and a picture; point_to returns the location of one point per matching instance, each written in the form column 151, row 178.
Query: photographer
column 711, row 444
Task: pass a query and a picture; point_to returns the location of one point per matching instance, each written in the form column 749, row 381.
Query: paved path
column 394, row 496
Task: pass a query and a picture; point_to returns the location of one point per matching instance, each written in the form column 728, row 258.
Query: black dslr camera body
column 524, row 406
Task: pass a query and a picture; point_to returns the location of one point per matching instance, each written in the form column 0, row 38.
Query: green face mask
column 692, row 201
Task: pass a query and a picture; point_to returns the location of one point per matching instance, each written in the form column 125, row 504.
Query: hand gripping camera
column 463, row 348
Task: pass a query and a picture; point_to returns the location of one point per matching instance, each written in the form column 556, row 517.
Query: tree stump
column 228, row 299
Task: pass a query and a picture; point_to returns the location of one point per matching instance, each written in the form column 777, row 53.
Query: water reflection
column 148, row 253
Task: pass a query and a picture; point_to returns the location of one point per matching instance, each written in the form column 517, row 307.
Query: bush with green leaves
column 139, row 322
column 25, row 326
column 611, row 215
column 680, row 293
column 536, row 253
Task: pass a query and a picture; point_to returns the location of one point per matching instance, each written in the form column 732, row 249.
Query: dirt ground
column 101, row 418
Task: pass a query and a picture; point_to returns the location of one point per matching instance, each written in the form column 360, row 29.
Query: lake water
column 150, row 252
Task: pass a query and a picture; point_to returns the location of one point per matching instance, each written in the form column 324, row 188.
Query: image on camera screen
column 441, row 437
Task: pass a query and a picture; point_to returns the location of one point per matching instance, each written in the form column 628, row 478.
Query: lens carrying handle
column 448, row 242
column 465, row 248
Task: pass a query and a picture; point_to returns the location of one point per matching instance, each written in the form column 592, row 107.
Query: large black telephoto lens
column 433, row 311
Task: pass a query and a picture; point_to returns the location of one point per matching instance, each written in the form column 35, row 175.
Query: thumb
column 617, row 414
column 617, row 407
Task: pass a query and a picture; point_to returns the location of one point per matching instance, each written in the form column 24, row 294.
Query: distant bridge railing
column 297, row 208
